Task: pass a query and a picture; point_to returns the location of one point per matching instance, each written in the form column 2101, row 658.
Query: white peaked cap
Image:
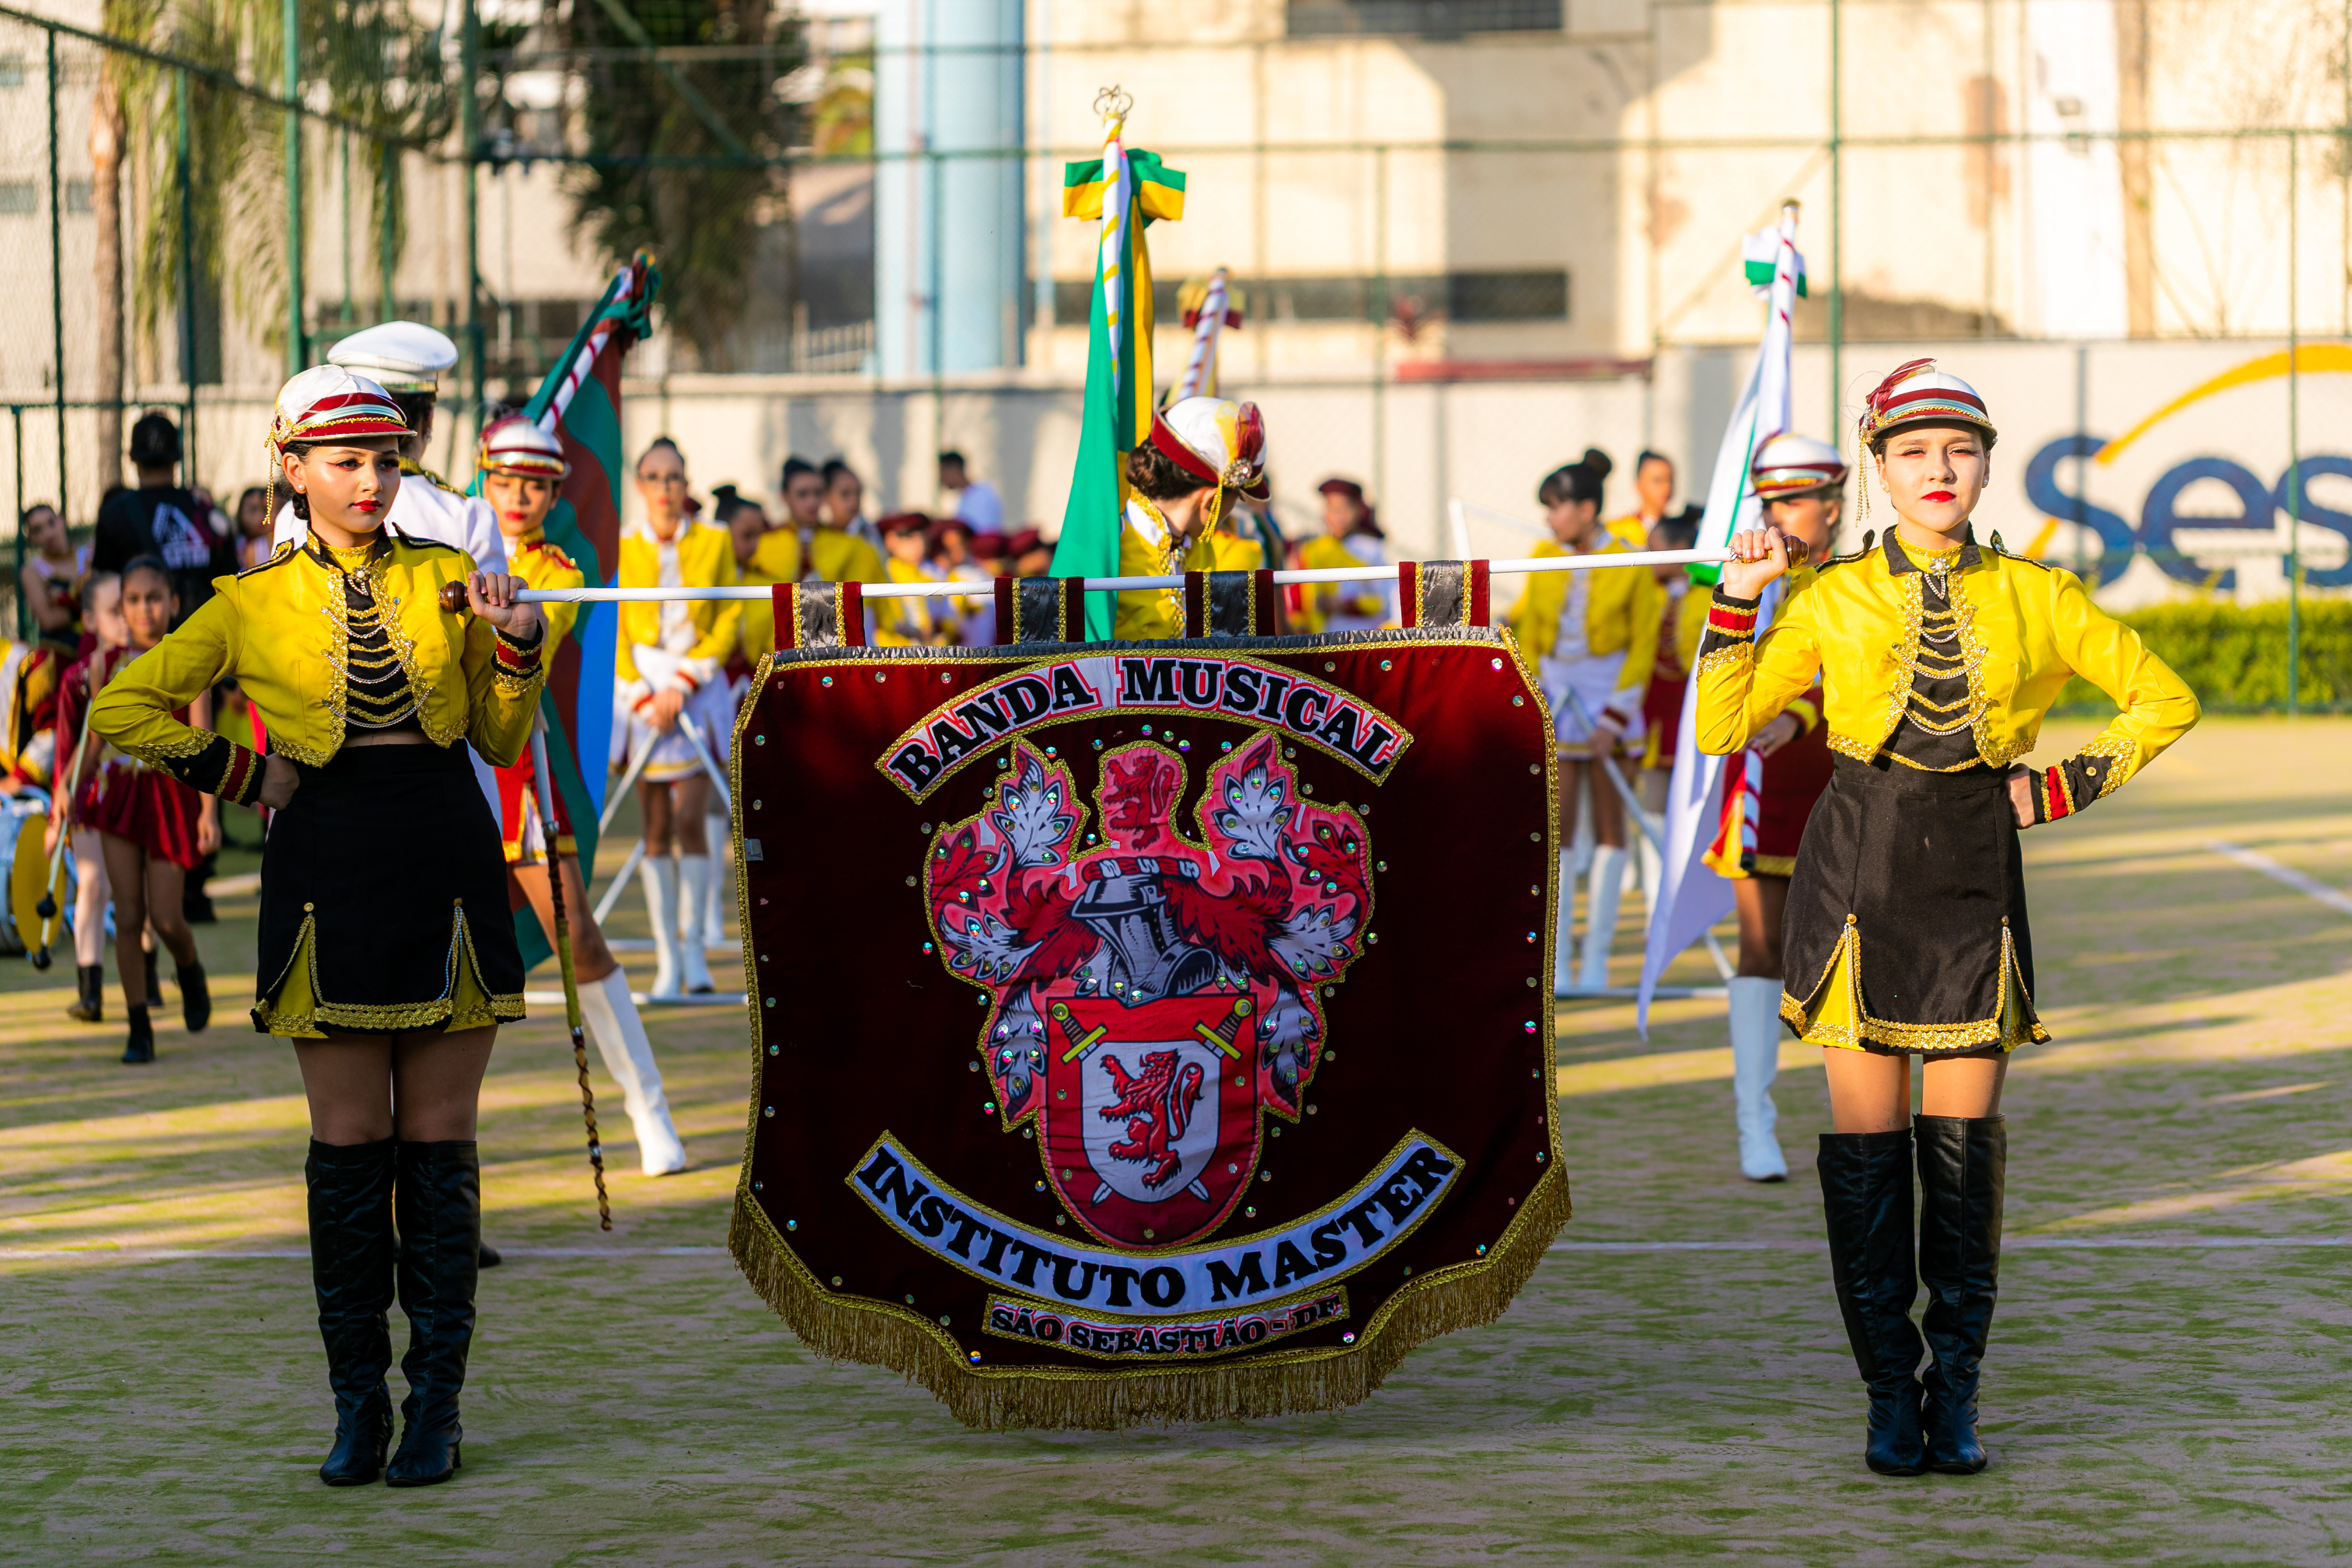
column 402, row 356
column 518, row 445
column 1788, row 464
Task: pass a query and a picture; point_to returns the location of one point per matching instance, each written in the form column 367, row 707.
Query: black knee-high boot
column 350, row 1270
column 1866, row 1195
column 1962, row 1161
column 440, row 1206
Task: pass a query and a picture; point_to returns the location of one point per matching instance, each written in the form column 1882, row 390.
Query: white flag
column 1694, row 898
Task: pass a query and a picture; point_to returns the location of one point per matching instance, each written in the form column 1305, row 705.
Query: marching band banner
column 1147, row 1032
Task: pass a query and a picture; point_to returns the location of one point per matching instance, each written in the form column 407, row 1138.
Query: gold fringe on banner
column 997, row 1399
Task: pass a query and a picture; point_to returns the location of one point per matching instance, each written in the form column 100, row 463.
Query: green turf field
column 2166, row 1382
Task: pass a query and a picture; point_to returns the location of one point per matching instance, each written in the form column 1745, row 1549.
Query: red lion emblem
column 1159, row 1104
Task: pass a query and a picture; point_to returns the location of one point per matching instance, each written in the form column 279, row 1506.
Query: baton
column 540, row 778
column 48, row 907
column 702, row 754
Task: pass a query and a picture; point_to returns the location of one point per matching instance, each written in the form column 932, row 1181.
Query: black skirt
column 383, row 900
column 1906, row 929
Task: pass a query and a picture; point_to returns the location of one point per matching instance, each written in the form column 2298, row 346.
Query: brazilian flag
column 1118, row 416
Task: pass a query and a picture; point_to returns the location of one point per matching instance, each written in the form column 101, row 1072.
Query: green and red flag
column 1128, row 191
column 580, row 405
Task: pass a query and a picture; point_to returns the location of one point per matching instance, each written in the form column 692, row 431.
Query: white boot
column 1600, row 895
column 620, row 1036
column 694, row 903
column 660, row 875
column 714, row 918
column 1563, row 941
column 1755, row 1060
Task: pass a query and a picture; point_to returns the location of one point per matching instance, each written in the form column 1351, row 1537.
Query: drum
column 23, row 820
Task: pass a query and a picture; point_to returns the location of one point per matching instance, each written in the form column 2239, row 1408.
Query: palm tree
column 378, row 68
column 684, row 162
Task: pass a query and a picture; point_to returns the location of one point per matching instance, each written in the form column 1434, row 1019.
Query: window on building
column 1534, row 295
column 1424, row 18
column 19, row 198
column 78, row 196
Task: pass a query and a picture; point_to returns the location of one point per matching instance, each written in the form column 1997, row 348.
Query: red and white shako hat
column 514, row 444
column 1919, row 393
column 1789, row 465
column 327, row 402
column 1216, row 441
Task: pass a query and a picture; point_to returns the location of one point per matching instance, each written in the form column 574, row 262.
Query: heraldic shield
column 1147, row 1032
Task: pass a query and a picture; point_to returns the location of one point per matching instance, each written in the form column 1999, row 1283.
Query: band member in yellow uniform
column 1203, row 453
column 1654, row 487
column 1906, row 933
column 672, row 668
column 386, row 951
column 1593, row 636
column 1351, row 536
column 910, row 623
column 1768, row 791
column 522, row 469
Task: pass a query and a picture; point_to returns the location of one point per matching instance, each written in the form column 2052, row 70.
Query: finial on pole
column 1113, row 103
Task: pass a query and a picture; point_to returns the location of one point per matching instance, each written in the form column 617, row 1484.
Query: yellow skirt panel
column 295, row 1010
column 1835, row 1016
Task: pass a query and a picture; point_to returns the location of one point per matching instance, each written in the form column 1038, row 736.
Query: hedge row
column 2234, row 656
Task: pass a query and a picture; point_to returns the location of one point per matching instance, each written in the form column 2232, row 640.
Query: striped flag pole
column 1207, row 319
column 1693, row 898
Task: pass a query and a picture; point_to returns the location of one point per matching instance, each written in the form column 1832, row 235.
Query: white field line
column 2036, row 1243
column 2310, row 886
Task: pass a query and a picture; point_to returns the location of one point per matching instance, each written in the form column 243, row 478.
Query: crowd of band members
column 819, row 529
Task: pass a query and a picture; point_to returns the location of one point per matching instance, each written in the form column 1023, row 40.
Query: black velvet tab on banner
column 1040, row 610
column 822, row 615
column 1444, row 593
column 1228, row 604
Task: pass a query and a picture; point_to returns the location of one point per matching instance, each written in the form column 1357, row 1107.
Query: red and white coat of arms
column 1149, row 994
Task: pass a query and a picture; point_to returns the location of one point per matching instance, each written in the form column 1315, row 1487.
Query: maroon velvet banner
column 1148, row 1032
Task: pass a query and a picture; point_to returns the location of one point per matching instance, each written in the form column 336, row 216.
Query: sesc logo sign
column 2260, row 503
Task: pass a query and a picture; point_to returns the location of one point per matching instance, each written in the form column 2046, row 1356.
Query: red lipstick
column 1939, row 496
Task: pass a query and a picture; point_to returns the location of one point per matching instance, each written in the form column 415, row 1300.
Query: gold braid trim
column 1741, row 652
column 175, row 748
column 998, row 1399
column 2009, row 1027
column 1847, row 745
column 483, row 1009
column 2118, row 749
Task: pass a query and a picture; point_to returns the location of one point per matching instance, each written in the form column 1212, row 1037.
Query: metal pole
column 2294, row 440
column 1837, row 223
column 57, row 328
column 1379, row 313
column 186, row 175
column 469, row 55
column 298, row 349
column 348, row 317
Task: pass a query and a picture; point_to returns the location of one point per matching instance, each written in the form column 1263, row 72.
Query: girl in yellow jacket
column 387, row 955
column 1593, row 636
column 523, row 469
column 1906, row 930
column 1205, row 452
column 1351, row 536
column 672, row 687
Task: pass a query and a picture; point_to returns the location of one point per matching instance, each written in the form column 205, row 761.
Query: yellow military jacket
column 1235, row 553
column 1629, row 530
column 1622, row 607
column 278, row 629
column 834, row 557
column 706, row 559
column 1147, row 613
column 543, row 565
column 903, row 623
column 1322, row 601
column 2025, row 628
